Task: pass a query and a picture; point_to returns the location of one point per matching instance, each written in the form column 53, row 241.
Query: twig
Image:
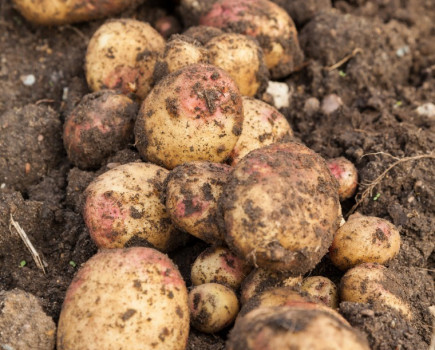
column 376, row 153
column 29, row 245
column 344, row 59
column 44, row 100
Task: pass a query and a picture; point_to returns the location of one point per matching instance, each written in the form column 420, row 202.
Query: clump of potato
column 195, row 113
column 212, row 307
column 280, row 208
column 218, row 264
column 123, row 207
column 321, row 289
column 101, row 124
column 346, row 175
column 121, row 55
column 364, row 239
column 125, row 299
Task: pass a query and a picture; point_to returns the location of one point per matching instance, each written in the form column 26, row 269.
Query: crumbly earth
column 376, row 120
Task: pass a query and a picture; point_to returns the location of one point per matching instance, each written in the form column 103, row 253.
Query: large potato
column 125, row 299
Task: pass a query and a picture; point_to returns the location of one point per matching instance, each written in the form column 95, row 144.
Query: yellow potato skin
column 321, row 289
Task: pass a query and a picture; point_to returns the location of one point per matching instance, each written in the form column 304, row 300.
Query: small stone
column 331, row 103
column 402, row 51
column 3, row 185
column 40, row 137
column 280, row 93
column 311, row 105
column 368, row 313
column 426, row 110
column 28, row 80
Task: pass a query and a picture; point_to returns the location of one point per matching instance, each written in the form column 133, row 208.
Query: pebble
column 280, row 93
column 311, row 105
column 426, row 110
column 331, row 103
column 368, row 313
column 28, row 80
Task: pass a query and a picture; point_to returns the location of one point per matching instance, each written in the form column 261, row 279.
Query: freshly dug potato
column 262, row 126
column 364, row 239
column 195, row 113
column 123, row 208
column 287, row 328
column 58, row 12
column 192, row 191
column 346, row 175
column 218, row 264
column 121, row 55
column 125, row 299
column 280, row 208
column 212, row 307
column 374, row 284
column 101, row 124
column 242, row 58
column 321, row 289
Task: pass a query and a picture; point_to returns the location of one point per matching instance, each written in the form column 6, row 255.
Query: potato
column 280, row 208
column 123, row 208
column 121, row 55
column 195, row 113
column 346, row 175
column 262, row 126
column 218, row 264
column 212, row 307
column 125, row 299
column 101, row 124
column 364, row 239
column 242, row 58
column 192, row 191
column 321, row 289
column 374, row 284
column 58, row 12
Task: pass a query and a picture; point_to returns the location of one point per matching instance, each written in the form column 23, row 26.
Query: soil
column 368, row 73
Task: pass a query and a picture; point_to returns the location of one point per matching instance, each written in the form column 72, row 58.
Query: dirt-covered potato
column 58, row 12
column 280, row 208
column 123, row 207
column 321, row 289
column 218, row 264
column 212, row 307
column 374, row 284
column 242, row 58
column 262, row 126
column 101, row 124
column 121, row 55
column 346, row 175
column 364, row 239
column 192, row 192
column 195, row 113
column 125, row 299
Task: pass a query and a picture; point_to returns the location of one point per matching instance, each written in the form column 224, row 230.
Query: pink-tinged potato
column 125, row 299
column 280, row 208
column 265, row 21
column 377, row 285
column 123, row 207
column 212, row 307
column 195, row 113
column 242, row 58
column 192, row 192
column 219, row 265
column 364, row 239
column 58, row 12
column 101, row 124
column 121, row 55
column 346, row 174
column 262, row 126
column 321, row 289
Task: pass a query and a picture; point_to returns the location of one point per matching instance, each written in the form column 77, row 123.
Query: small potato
column 123, row 207
column 374, row 284
column 242, row 58
column 321, row 289
column 219, row 265
column 364, row 239
column 100, row 125
column 212, row 307
column 346, row 174
column 192, row 191
column 121, row 55
column 125, row 299
column 195, row 113
column 262, row 126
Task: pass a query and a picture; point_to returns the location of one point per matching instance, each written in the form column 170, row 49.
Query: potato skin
column 125, row 299
column 280, row 208
column 121, row 55
column 321, row 289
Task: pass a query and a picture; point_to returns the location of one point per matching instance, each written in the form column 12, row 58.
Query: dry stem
column 344, row 59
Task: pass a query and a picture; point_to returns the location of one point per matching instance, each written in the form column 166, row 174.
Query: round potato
column 346, row 175
column 125, row 299
column 321, row 289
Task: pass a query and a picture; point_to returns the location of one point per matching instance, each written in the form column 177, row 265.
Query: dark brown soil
column 374, row 60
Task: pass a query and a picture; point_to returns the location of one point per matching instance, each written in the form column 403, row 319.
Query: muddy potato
column 218, row 264
column 346, row 175
column 364, row 239
column 125, row 299
column 321, row 289
column 195, row 113
column 262, row 126
column 212, row 307
column 123, row 207
column 121, row 55
column 280, row 208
